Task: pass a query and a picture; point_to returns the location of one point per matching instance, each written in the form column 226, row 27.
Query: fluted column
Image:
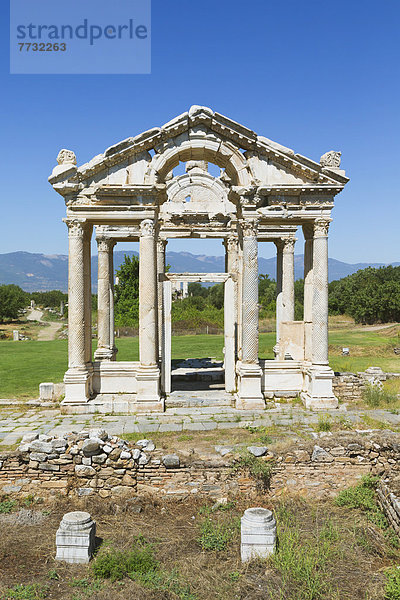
column 148, row 337
column 105, row 331
column 77, row 378
column 308, row 291
column 161, row 247
column 320, row 293
column 288, row 279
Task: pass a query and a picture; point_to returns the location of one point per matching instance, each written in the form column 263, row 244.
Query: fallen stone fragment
column 321, row 455
column 257, row 450
column 171, row 461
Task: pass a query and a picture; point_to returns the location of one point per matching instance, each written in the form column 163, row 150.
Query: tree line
column 370, row 295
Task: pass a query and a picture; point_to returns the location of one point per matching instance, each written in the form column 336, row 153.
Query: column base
column 318, row 394
column 78, row 385
column 250, row 395
column 103, row 353
column 148, row 389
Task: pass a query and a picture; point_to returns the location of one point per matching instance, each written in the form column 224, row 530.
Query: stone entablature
column 264, row 192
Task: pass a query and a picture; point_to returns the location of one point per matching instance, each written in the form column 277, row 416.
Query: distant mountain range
column 41, row 272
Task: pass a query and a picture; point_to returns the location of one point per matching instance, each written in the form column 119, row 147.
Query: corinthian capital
column 147, row 228
column 76, row 227
column 288, row 244
column 105, row 244
column 321, row 227
column 161, row 245
column 250, row 227
column 231, row 244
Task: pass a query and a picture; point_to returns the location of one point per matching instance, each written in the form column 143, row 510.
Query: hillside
column 40, row 272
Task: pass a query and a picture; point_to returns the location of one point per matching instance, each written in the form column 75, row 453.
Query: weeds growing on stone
column 324, row 423
column 256, row 467
column 376, row 396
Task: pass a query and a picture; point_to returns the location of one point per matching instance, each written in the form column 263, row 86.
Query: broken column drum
column 75, row 538
column 258, row 533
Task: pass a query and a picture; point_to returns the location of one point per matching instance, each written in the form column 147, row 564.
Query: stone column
column 279, row 268
column 308, row 290
column 148, row 374
column 105, row 302
column 113, row 347
column 250, row 395
column 288, row 279
column 230, row 313
column 161, row 247
column 320, row 293
column 78, row 376
column 87, row 267
column 318, row 392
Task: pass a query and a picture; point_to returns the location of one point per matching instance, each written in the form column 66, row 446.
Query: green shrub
column 324, row 423
column 257, row 468
column 375, row 395
column 7, row 506
column 392, row 585
column 361, row 496
column 216, row 535
column 26, row 592
column 115, row 564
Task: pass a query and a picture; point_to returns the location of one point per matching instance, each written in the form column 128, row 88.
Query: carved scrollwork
column 76, row 227
column 289, row 244
column 231, row 244
column 321, row 227
column 147, row 228
column 66, row 157
column 161, row 245
column 105, row 244
column 330, row 159
column 250, row 227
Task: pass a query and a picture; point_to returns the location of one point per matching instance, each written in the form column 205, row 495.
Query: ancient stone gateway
column 264, row 193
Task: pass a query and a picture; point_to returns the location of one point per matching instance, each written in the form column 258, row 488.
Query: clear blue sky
column 311, row 75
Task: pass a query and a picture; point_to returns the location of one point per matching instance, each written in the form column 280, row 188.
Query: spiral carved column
column 250, row 395
column 78, row 377
column 148, row 374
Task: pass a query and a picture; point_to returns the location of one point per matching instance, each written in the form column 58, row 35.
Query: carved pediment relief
column 197, row 193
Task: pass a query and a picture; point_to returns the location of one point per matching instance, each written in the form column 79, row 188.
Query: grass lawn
column 24, row 365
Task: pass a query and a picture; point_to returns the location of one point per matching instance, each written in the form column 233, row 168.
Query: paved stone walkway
column 15, row 422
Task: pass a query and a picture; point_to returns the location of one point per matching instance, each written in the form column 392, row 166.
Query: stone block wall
column 350, row 386
column 91, row 463
column 390, row 502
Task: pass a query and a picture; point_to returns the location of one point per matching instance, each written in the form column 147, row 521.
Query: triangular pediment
column 266, row 162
